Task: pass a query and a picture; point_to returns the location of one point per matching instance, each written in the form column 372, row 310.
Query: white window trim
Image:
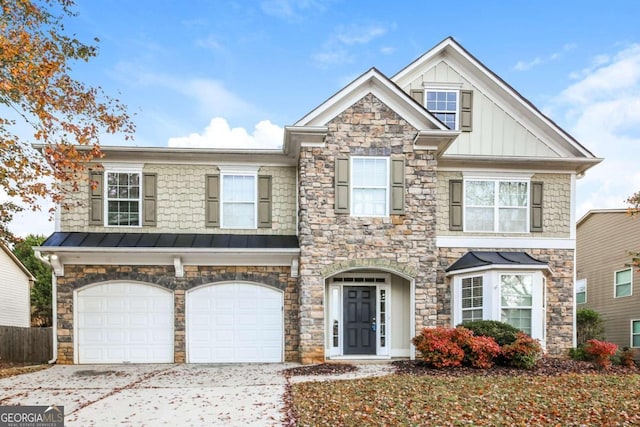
column 492, row 298
column 496, row 207
column 631, row 331
column 386, row 187
column 435, row 88
column 105, row 195
column 252, row 172
column 615, row 284
column 585, row 291
column 462, row 309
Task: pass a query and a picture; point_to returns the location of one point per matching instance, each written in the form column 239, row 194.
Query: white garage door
column 234, row 322
column 125, row 322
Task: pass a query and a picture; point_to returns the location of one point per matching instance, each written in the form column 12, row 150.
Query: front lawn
column 409, row 400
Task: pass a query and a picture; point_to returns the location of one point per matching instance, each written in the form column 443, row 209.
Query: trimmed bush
column 523, row 353
column 501, row 332
column 601, row 351
column 578, row 353
column 447, row 347
column 437, row 347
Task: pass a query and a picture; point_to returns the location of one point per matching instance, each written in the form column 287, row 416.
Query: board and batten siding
column 604, row 240
column 15, row 303
column 495, row 131
column 180, row 203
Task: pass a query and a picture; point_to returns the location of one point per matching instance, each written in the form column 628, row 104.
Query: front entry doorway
column 359, row 313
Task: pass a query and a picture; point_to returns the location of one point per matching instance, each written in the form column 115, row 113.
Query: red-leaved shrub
column 524, row 352
column 437, row 348
column 601, row 351
column 447, row 347
column 626, row 358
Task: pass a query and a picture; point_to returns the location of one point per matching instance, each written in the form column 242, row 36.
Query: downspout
column 54, row 309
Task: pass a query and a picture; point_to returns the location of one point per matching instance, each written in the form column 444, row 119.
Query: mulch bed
column 546, row 366
column 9, row 369
column 320, row 369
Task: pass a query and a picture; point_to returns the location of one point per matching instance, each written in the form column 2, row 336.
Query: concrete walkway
column 155, row 395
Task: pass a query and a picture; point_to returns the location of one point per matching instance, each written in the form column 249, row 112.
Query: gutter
column 54, row 309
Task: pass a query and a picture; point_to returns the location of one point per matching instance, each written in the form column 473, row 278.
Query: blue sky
column 191, row 71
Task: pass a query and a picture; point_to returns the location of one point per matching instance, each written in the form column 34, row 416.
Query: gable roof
column 311, row 128
column 478, row 73
column 17, row 262
column 592, row 212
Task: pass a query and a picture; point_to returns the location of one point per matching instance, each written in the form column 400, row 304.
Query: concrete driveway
column 152, row 395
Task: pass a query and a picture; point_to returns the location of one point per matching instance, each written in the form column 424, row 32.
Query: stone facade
column 78, row 276
column 559, row 302
column 181, row 202
column 556, row 206
column 367, row 128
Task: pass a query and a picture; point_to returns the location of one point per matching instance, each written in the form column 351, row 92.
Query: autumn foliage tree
column 634, row 209
column 65, row 115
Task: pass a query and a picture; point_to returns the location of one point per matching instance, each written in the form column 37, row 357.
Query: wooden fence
column 25, row 345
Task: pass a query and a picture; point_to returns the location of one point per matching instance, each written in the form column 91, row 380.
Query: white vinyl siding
column 623, row 285
column 238, row 198
column 15, row 306
column 370, row 186
column 123, row 198
column 496, row 206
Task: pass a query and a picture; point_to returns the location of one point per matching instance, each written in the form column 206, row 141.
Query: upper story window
column 123, row 196
column 623, row 285
column 238, row 198
column 444, row 105
column 370, row 186
column 581, row 291
column 496, row 206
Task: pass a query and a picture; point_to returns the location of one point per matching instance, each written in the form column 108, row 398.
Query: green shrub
column 578, row 353
column 501, row 332
column 523, row 353
column 589, row 326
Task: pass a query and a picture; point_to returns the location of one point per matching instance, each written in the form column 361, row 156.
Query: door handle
column 373, row 324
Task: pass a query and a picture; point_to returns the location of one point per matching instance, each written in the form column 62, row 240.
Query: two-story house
column 606, row 280
column 430, row 198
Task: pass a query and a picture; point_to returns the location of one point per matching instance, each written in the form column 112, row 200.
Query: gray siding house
column 605, row 281
column 429, row 198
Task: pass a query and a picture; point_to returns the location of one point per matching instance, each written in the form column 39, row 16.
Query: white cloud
column 538, row 60
column 335, row 49
column 291, row 10
column 602, row 110
column 218, row 134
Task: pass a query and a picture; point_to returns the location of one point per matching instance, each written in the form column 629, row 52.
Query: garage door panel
column 125, row 322
column 234, row 322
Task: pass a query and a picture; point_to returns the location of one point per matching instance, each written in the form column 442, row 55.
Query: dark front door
column 359, row 319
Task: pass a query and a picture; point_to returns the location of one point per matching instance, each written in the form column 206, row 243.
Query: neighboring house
column 605, row 281
column 15, row 290
column 436, row 196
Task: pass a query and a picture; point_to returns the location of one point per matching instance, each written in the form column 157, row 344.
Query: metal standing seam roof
column 476, row 259
column 170, row 240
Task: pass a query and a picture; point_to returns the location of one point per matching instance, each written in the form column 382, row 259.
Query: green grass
column 406, row 400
